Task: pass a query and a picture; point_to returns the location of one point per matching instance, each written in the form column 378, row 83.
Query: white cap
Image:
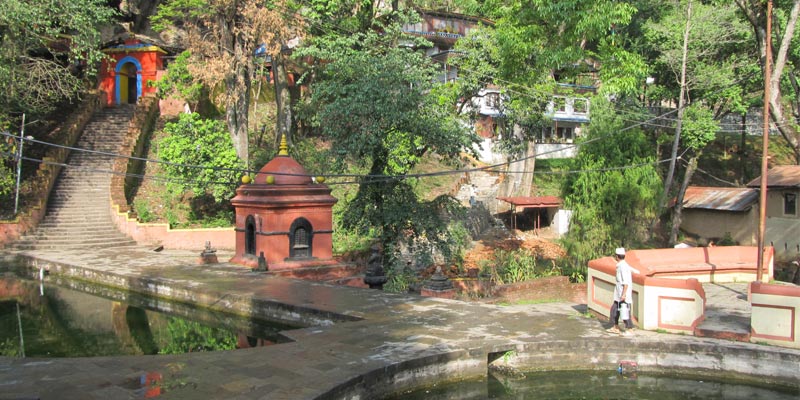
column 620, row 251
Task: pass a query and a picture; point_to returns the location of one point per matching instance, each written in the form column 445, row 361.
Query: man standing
column 623, row 294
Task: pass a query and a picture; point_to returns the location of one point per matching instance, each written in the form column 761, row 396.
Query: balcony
column 570, row 109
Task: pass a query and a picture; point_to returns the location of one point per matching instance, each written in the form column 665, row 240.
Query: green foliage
column 720, row 68
column 612, row 203
column 193, row 141
column 372, row 101
column 727, row 240
column 143, row 212
column 7, row 172
column 37, row 67
column 187, row 336
column 178, row 80
column 400, row 279
column 514, row 266
column 699, row 127
column 176, row 10
column 348, row 240
column 9, row 348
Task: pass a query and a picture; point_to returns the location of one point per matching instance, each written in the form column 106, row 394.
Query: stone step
column 76, row 222
column 78, row 213
column 85, row 237
column 67, row 246
column 78, row 207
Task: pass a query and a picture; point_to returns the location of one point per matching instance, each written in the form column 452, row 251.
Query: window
column 560, row 104
column 580, row 106
column 492, row 100
column 790, row 204
column 300, row 236
column 250, row 235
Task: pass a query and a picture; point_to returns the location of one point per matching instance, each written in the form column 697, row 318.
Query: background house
column 712, row 213
column 783, row 216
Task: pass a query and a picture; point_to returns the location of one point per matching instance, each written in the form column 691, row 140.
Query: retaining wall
column 48, row 171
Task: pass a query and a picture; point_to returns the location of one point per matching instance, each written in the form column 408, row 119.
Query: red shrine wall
column 272, row 227
column 149, row 63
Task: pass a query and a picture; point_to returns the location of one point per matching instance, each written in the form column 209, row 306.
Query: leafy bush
column 513, row 266
column 143, row 212
column 7, row 176
column 200, row 157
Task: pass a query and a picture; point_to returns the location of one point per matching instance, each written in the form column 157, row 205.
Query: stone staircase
column 78, row 211
column 727, row 312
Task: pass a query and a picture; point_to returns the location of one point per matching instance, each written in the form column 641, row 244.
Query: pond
column 76, row 319
column 601, row 385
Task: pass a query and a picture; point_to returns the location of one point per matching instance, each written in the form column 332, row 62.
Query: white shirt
column 624, row 277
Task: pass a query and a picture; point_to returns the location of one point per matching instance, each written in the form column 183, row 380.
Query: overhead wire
column 374, row 178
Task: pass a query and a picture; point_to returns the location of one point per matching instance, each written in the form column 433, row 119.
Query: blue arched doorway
column 128, row 84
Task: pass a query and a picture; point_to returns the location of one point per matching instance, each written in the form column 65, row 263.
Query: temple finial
column 284, row 148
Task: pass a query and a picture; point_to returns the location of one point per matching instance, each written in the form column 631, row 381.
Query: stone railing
column 673, row 305
column 125, row 179
column 667, row 290
column 774, row 318
column 47, row 173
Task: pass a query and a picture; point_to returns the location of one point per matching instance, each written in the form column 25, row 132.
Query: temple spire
column 283, row 150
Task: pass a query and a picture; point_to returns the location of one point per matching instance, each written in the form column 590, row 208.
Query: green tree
column 179, row 80
column 784, row 98
column 614, row 194
column 697, row 50
column 699, row 128
column 372, row 100
column 222, row 37
column 532, row 46
column 199, row 157
column 44, row 56
column 46, row 47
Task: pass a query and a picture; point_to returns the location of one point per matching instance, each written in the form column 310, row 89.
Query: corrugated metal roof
column 719, row 198
column 533, row 202
column 780, row 176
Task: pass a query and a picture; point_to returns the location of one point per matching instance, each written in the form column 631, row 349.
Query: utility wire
column 489, row 168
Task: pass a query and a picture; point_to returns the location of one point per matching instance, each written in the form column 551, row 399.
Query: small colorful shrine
column 133, row 64
column 283, row 217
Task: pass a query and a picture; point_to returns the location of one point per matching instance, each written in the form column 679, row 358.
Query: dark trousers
column 615, row 315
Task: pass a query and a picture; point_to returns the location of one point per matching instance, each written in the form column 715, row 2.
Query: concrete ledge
column 741, row 363
column 774, row 317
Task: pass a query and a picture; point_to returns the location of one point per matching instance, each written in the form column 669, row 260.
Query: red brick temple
column 284, row 214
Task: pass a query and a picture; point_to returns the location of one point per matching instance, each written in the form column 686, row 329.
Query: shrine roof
column 533, row 202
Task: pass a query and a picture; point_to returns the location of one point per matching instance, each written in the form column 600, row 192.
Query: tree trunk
column 526, row 180
column 237, row 83
column 677, row 213
column 743, row 149
column 776, row 101
column 679, row 123
column 283, row 99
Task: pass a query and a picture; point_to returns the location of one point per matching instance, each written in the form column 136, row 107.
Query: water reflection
column 62, row 322
column 599, row 385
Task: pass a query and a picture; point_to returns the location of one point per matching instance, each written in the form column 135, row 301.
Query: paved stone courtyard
column 362, row 338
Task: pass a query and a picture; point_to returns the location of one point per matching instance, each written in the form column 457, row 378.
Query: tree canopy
column 222, row 37
column 46, row 48
column 372, row 99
